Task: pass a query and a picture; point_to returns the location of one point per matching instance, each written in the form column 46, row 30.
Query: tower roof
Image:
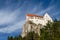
column 34, row 15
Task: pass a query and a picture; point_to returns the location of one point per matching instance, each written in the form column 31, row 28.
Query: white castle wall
column 42, row 21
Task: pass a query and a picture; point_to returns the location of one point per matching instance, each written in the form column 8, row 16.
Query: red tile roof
column 34, row 15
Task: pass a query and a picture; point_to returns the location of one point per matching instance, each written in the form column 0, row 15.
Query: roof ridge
column 34, row 15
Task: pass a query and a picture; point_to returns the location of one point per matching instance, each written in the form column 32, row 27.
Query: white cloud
column 35, row 8
column 8, row 17
column 12, row 28
column 47, row 9
column 56, row 13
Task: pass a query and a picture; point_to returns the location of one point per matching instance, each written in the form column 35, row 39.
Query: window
column 31, row 17
column 36, row 17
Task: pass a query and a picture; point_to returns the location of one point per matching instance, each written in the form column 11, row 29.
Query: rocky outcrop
column 30, row 26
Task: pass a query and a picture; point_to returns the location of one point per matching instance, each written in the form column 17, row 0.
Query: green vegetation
column 29, row 36
column 49, row 32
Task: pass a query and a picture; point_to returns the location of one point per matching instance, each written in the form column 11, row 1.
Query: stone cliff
column 30, row 26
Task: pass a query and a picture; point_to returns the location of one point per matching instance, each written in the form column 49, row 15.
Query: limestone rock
column 30, row 26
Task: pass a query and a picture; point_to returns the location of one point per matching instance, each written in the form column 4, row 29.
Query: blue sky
column 12, row 14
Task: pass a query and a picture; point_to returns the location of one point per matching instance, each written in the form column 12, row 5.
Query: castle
column 27, row 27
column 39, row 19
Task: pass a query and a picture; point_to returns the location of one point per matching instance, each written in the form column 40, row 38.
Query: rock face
column 30, row 26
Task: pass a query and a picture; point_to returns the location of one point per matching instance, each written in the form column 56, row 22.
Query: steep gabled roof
column 34, row 15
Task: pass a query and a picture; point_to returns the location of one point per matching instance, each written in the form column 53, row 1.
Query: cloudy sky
column 12, row 14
